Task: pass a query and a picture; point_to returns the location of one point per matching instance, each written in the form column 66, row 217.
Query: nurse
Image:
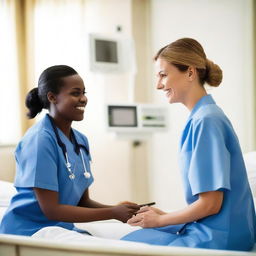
column 53, row 162
column 220, row 212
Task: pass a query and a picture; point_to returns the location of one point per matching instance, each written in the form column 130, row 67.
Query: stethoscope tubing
column 65, row 153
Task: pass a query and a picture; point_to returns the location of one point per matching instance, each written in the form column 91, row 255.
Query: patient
column 53, row 172
column 220, row 212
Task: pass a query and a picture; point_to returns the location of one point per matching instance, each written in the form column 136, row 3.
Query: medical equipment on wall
column 111, row 53
column 136, row 121
column 78, row 150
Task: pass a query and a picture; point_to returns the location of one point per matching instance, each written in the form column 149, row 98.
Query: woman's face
column 172, row 81
column 71, row 100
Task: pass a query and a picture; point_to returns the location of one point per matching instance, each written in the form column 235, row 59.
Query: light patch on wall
column 9, row 98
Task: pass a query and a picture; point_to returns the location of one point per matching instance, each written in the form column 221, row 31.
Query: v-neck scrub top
column 210, row 160
column 40, row 163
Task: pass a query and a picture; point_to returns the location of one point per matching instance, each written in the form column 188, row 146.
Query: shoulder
column 210, row 122
column 210, row 110
column 39, row 134
column 210, row 115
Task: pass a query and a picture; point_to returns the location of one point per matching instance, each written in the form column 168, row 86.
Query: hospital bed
column 56, row 241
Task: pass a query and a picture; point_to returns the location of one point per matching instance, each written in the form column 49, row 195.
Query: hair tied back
column 33, row 103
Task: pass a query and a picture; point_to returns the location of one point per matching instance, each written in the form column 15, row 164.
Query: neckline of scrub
column 67, row 141
column 205, row 100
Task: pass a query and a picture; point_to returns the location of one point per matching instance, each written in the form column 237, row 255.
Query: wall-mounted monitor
column 106, row 53
column 122, row 116
column 136, row 118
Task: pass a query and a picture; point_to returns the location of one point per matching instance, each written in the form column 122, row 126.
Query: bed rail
column 12, row 245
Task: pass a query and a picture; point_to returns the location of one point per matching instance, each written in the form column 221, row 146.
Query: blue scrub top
column 210, row 160
column 40, row 163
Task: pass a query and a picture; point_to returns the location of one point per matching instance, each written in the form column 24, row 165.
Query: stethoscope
column 78, row 150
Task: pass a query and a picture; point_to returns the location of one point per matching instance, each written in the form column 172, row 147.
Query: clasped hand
column 125, row 210
column 147, row 217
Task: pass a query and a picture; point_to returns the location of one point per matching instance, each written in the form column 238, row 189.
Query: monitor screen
column 106, row 51
column 122, row 116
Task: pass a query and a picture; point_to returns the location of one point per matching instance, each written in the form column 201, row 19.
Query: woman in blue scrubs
column 220, row 212
column 53, row 162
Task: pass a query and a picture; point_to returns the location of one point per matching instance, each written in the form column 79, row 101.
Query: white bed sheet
column 2, row 211
column 7, row 190
column 58, row 234
column 69, row 236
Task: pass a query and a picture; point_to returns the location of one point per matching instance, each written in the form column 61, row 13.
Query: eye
column 75, row 93
column 159, row 75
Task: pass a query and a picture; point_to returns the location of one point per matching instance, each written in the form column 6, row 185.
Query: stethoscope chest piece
column 87, row 175
column 72, row 176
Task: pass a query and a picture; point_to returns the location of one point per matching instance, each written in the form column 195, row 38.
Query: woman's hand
column 149, row 218
column 207, row 204
column 147, row 208
column 123, row 212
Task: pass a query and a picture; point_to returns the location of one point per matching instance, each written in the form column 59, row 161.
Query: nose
column 84, row 99
column 159, row 86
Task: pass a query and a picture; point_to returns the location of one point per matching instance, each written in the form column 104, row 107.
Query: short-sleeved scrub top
column 40, row 163
column 210, row 160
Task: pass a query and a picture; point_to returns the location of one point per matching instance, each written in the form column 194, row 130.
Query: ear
column 51, row 97
column 191, row 73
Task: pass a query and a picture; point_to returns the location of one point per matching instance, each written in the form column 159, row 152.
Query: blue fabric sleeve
column 210, row 161
column 37, row 159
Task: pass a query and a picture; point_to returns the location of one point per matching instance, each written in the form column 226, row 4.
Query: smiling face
column 172, row 81
column 69, row 104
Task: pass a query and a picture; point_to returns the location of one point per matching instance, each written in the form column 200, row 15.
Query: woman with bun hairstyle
column 220, row 212
column 53, row 173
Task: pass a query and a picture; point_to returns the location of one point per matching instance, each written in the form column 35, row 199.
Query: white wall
column 9, row 102
column 224, row 28
column 111, row 158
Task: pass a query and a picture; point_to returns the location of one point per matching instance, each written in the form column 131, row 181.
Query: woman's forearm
column 87, row 209
column 69, row 213
column 191, row 213
column 208, row 204
column 92, row 204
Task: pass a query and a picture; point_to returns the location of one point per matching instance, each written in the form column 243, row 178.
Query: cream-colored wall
column 7, row 166
column 225, row 30
column 111, row 158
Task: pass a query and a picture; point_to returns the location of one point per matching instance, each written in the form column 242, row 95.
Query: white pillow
column 250, row 163
column 7, row 191
column 66, row 236
column 112, row 229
